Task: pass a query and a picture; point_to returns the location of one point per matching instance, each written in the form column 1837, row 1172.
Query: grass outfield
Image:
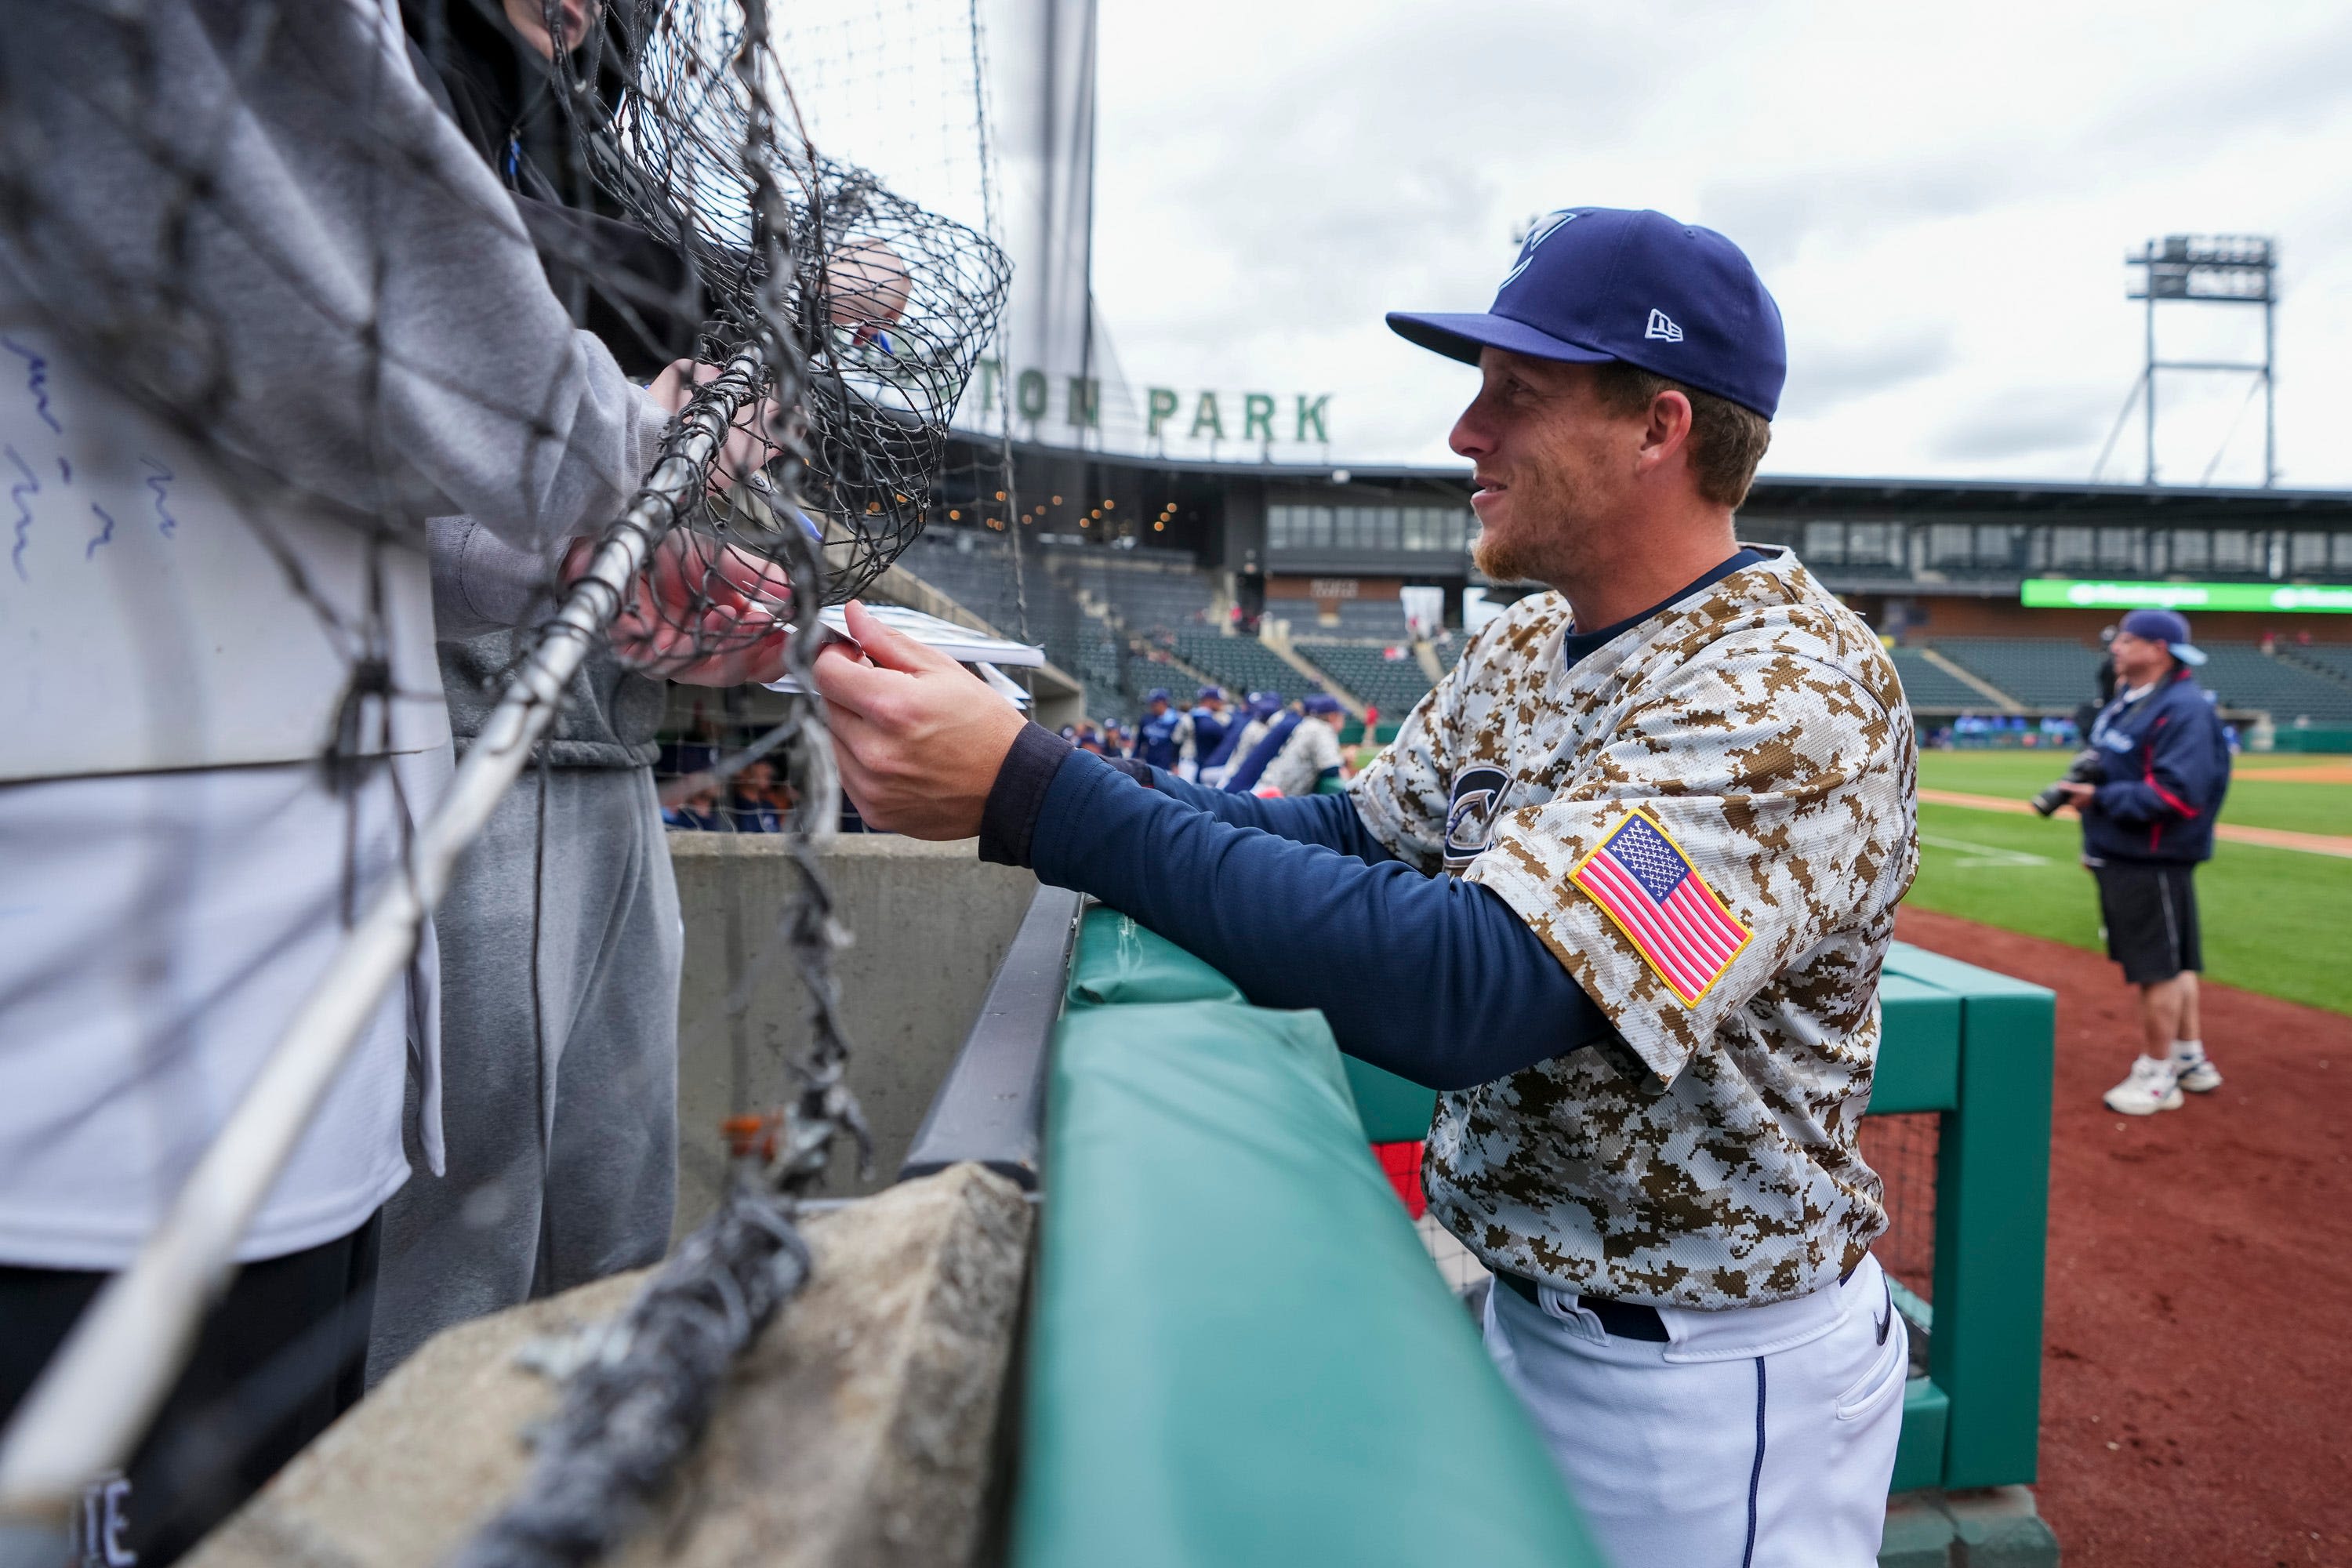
column 2299, row 806
column 2275, row 920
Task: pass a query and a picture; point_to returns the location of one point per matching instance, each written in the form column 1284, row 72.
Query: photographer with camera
column 2149, row 786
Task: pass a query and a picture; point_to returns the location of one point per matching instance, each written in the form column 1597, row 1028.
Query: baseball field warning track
column 2192, row 1376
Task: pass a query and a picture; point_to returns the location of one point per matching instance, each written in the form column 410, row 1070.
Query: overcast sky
column 1940, row 200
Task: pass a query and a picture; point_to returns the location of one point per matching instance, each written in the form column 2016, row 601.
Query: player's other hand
column 2078, row 795
column 919, row 738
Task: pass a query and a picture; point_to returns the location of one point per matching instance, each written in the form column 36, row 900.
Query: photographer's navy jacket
column 2166, row 767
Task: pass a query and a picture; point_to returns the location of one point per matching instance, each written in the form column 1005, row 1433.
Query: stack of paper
column 961, row 644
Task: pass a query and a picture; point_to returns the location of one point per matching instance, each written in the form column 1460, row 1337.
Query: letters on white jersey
column 147, row 622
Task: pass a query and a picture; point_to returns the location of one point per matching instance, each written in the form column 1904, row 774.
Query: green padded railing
column 1979, row 1048
column 1238, row 1351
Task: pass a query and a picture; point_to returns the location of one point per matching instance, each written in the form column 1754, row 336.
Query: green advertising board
column 2070, row 593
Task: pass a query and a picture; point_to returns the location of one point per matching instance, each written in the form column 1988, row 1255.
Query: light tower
column 2211, row 269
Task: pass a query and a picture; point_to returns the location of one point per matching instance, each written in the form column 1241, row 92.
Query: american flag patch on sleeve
column 1644, row 884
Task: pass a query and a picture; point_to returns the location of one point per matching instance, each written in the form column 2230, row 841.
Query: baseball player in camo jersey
column 1620, row 891
column 1311, row 754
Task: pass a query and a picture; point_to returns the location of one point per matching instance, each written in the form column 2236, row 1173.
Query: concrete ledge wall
column 929, row 923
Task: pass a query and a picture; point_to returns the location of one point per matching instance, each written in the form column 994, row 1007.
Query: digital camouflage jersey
column 1757, row 734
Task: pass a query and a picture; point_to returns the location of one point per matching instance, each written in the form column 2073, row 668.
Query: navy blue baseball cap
column 1208, row 694
column 1320, row 702
column 1156, row 694
column 2170, row 628
column 1594, row 284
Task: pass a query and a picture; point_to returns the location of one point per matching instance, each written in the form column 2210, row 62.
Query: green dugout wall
column 1240, row 1353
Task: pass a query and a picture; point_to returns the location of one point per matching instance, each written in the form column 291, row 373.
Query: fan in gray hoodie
column 561, row 937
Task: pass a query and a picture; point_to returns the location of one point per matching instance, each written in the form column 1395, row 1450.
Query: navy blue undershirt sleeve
column 1433, row 978
column 1330, row 820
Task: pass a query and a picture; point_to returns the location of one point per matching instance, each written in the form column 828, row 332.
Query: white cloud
column 1940, row 201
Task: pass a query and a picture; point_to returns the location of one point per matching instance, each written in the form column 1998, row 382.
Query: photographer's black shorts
column 2151, row 914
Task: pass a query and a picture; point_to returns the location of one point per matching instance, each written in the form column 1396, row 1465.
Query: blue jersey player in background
column 1209, row 722
column 1165, row 738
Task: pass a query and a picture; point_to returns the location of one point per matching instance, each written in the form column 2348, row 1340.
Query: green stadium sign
column 2067, row 593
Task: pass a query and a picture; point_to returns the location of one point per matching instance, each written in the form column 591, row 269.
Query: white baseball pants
column 1757, row 1438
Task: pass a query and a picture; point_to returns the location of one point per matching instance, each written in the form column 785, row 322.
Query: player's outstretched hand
column 919, row 737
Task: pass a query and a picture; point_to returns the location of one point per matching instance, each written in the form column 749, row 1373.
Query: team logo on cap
column 1662, row 327
column 1552, row 224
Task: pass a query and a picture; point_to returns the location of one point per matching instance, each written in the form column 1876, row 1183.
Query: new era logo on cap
column 1595, row 284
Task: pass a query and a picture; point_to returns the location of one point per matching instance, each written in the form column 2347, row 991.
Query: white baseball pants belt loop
column 1740, row 1332
column 1690, row 1334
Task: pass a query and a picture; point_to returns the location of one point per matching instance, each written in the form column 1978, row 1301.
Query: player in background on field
column 1209, row 725
column 1244, row 732
column 2146, row 826
column 1311, row 752
column 1620, row 890
column 1164, row 737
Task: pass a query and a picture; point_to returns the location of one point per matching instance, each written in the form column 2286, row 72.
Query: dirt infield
column 2301, row 772
column 2236, row 833
column 2196, row 1393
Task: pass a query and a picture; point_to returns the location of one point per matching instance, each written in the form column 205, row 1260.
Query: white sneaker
column 2150, row 1088
column 2194, row 1070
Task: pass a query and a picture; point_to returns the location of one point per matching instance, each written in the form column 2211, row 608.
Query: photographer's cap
column 2170, row 628
column 1594, row 284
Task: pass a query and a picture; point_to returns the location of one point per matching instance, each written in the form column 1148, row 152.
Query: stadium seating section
column 1928, row 688
column 1391, row 685
column 1150, row 592
column 976, row 571
column 2247, row 677
column 1240, row 664
column 2039, row 672
column 2053, row 675
column 1166, row 600
column 2335, row 661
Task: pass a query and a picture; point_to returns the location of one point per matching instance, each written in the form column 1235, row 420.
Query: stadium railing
column 1974, row 1049
column 1238, row 1351
column 1237, row 1339
column 1958, row 1128
column 2313, row 739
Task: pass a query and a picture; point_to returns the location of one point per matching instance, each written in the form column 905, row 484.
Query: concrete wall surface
column 928, row 924
column 860, row 1429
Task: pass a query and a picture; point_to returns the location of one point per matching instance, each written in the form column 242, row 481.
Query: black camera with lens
column 2085, row 768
